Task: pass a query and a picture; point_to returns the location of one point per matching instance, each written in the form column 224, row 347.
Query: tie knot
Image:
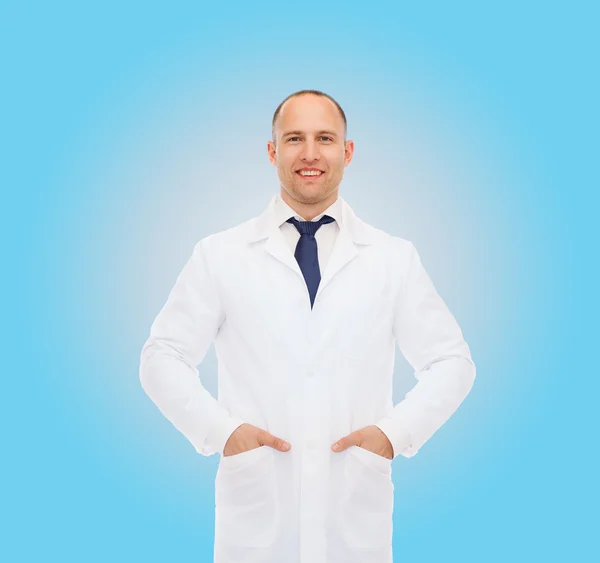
column 310, row 227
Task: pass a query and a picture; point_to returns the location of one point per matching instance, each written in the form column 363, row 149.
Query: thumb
column 345, row 442
column 274, row 442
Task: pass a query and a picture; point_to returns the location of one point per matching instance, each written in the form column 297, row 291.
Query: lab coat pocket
column 247, row 506
column 367, row 501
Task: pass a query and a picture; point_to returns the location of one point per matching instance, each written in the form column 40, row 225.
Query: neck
column 309, row 210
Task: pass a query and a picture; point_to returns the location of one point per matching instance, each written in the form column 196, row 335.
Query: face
column 309, row 149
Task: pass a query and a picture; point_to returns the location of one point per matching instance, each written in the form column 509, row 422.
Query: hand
column 370, row 438
column 247, row 437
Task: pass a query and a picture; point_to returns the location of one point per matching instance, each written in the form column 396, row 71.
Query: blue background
column 131, row 130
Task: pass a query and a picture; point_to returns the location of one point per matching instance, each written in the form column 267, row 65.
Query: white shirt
column 325, row 235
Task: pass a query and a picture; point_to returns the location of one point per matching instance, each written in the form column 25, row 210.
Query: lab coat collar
column 353, row 232
column 268, row 222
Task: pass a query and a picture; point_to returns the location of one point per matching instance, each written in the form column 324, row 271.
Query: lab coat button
column 311, row 373
column 311, row 444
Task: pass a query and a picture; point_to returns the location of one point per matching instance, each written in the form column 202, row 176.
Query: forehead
column 310, row 113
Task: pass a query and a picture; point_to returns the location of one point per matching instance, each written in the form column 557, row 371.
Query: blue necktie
column 306, row 252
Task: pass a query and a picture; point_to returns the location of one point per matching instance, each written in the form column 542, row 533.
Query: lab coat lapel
column 343, row 251
column 346, row 247
column 265, row 227
column 277, row 247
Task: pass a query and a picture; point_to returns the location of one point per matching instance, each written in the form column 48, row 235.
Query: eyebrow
column 322, row 132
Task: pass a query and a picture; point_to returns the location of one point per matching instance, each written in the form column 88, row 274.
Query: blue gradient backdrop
column 131, row 130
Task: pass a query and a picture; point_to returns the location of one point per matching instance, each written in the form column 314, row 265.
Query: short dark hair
column 316, row 93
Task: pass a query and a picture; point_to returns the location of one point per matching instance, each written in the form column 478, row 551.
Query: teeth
column 310, row 173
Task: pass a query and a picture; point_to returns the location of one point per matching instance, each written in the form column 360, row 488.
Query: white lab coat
column 309, row 376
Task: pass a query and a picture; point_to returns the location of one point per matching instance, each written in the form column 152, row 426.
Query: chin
column 308, row 194
column 310, row 197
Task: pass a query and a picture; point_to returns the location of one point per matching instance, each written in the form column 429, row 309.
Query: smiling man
column 306, row 304
column 310, row 151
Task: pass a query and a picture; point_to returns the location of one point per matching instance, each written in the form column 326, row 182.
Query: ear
column 272, row 152
column 348, row 152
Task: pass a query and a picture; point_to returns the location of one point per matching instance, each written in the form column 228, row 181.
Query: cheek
column 286, row 163
column 337, row 165
column 335, row 159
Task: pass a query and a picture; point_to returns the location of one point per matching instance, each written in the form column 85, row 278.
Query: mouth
column 309, row 174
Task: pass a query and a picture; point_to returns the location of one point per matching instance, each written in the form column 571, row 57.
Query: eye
column 292, row 138
column 326, row 138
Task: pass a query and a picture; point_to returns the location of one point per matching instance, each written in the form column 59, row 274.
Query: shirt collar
column 269, row 222
column 282, row 211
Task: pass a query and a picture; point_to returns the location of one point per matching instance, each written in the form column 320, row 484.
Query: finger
column 351, row 439
column 276, row 443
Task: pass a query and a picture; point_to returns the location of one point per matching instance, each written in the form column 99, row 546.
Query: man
column 305, row 304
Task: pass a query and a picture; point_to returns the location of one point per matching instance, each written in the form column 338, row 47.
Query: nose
column 311, row 151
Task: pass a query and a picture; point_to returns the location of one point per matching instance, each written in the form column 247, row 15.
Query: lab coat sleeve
column 432, row 342
column 179, row 339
